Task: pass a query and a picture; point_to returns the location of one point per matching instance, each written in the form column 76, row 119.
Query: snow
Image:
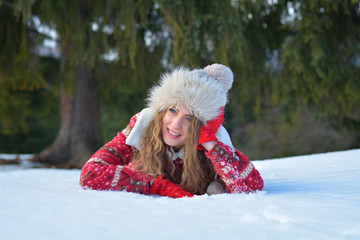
column 14, row 156
column 305, row 197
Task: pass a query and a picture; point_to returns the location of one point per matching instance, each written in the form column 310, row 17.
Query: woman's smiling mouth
column 173, row 134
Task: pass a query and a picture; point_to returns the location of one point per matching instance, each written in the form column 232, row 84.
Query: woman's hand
column 208, row 145
column 165, row 187
column 207, row 132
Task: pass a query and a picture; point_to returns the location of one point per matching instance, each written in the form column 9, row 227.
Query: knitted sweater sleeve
column 235, row 169
column 108, row 168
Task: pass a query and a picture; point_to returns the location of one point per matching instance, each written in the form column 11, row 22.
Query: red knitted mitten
column 165, row 187
column 133, row 181
column 208, row 130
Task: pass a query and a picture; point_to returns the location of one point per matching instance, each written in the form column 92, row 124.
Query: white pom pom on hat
column 202, row 91
column 222, row 74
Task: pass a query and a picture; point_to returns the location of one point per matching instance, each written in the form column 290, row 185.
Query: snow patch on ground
column 16, row 156
column 305, row 197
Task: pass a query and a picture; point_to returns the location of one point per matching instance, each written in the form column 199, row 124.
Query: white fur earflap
column 203, row 92
column 134, row 138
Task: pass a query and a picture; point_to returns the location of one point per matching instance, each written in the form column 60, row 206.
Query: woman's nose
column 176, row 122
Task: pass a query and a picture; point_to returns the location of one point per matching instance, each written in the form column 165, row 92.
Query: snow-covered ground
column 306, row 197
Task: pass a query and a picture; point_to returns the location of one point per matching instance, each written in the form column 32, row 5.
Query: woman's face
column 175, row 126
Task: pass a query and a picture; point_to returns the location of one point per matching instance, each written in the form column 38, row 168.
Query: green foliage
column 122, row 90
column 321, row 61
column 31, row 118
column 287, row 54
column 20, row 72
column 40, row 118
column 89, row 29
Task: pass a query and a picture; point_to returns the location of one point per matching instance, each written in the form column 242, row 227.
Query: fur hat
column 202, row 91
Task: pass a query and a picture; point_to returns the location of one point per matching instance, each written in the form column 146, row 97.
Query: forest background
column 73, row 72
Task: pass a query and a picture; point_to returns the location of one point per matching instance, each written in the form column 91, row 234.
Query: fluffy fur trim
column 196, row 90
column 146, row 115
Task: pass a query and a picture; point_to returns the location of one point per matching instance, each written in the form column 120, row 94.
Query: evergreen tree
column 285, row 54
column 87, row 30
column 20, row 72
column 321, row 60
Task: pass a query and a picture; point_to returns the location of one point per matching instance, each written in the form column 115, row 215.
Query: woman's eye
column 188, row 119
column 172, row 110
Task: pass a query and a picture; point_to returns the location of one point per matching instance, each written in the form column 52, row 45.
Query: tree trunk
column 80, row 135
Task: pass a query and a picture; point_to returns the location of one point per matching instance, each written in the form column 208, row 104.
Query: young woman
column 177, row 146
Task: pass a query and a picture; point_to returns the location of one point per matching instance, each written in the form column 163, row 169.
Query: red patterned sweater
column 111, row 168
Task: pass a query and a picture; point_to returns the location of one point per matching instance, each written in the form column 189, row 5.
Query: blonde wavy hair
column 153, row 158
